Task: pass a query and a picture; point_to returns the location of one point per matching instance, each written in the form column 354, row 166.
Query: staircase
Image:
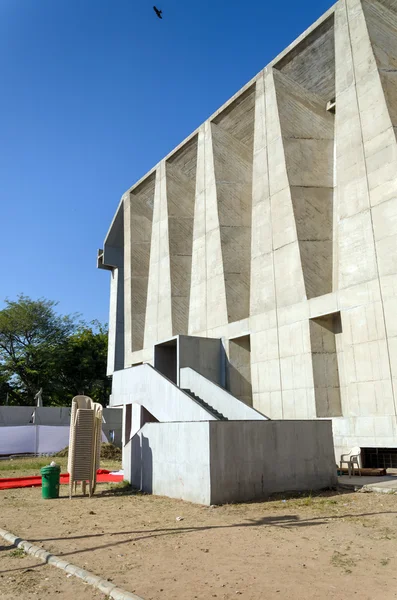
column 219, row 416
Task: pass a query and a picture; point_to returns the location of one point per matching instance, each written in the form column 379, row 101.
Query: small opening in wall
column 379, row 458
column 239, row 369
column 165, row 359
column 331, row 106
column 323, row 332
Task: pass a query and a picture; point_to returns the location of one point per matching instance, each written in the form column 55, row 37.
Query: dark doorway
column 239, row 369
column 325, row 332
column 165, row 359
column 379, row 458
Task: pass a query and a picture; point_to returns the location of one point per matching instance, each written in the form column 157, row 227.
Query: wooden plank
column 366, row 472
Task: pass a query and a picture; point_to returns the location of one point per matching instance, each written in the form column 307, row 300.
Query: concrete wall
column 250, row 460
column 219, row 461
column 204, row 355
column 277, row 212
column 217, row 397
column 113, row 421
column 162, row 460
column 44, row 415
column 111, row 258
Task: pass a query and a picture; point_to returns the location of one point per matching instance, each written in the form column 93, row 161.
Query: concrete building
column 273, row 228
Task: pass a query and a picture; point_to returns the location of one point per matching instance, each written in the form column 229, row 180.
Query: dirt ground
column 22, row 579
column 338, row 546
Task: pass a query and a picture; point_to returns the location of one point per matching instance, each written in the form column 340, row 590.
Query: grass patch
column 387, row 533
column 343, row 561
column 25, row 464
column 384, row 562
column 24, row 467
column 365, row 521
column 17, row 553
column 312, row 499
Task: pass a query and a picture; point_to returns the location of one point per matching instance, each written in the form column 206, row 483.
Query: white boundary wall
column 33, row 439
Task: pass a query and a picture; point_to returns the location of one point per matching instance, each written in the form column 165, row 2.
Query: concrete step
column 205, row 405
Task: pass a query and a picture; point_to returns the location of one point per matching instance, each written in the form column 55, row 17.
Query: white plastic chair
column 351, row 459
column 84, row 443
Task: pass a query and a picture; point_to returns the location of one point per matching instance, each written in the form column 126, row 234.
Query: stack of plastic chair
column 84, row 443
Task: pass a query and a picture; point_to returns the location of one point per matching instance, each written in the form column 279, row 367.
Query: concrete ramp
column 197, row 398
column 225, row 404
column 163, row 399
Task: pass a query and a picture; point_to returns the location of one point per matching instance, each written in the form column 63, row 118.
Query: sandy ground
column 21, row 578
column 337, row 546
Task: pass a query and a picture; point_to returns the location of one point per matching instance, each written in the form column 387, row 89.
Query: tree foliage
column 42, row 349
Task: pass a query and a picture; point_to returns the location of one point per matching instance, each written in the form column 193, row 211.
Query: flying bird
column 158, row 12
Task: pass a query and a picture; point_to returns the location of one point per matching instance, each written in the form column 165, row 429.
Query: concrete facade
column 231, row 461
column 273, row 228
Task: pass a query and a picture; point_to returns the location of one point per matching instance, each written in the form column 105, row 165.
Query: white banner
column 34, row 439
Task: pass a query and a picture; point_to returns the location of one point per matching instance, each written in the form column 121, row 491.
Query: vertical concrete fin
column 138, row 216
column 158, row 322
column 181, row 176
column 127, row 281
column 207, row 307
column 116, row 357
column 356, row 250
column 374, row 32
column 198, row 280
column 262, row 296
column 366, row 173
column 113, row 259
column 290, row 285
column 373, row 27
column 382, row 30
column 232, row 139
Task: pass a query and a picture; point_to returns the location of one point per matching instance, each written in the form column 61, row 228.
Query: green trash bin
column 50, row 482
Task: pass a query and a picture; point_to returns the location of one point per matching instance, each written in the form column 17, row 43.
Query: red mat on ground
column 103, row 476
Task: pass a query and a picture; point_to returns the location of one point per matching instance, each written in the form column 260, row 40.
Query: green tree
column 39, row 348
column 82, row 368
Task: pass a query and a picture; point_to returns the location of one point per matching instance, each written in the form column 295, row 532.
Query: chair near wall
column 351, row 459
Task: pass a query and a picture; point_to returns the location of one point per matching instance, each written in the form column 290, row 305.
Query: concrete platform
column 380, row 485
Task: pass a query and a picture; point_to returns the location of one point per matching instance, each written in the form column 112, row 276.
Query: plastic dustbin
column 50, row 477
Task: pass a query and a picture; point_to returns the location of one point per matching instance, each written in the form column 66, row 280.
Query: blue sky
column 94, row 93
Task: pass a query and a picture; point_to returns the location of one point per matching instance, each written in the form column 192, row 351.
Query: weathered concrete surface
column 381, row 485
column 171, row 459
column 204, row 355
column 274, row 214
column 231, row 461
column 250, row 460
